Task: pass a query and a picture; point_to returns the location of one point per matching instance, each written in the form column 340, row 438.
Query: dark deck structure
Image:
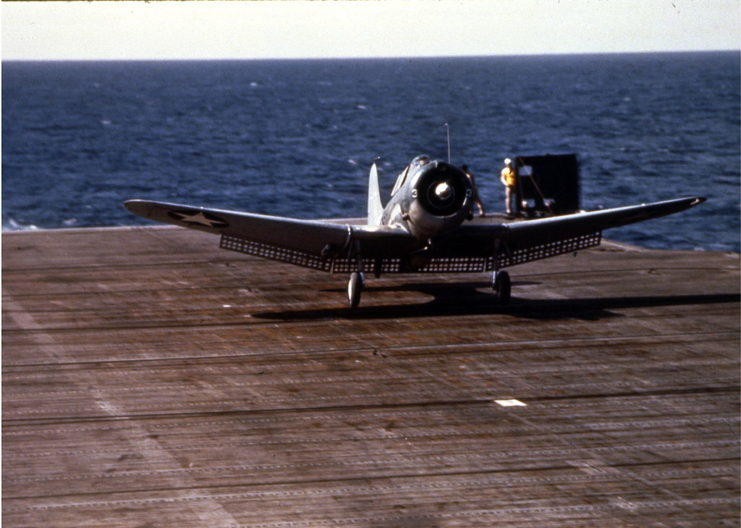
column 150, row 379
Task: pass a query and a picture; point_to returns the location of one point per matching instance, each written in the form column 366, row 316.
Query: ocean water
column 297, row 137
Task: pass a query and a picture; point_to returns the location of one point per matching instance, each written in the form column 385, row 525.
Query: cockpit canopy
column 418, row 161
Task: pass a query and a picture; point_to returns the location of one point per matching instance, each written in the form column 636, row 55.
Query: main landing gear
column 354, row 287
column 502, row 286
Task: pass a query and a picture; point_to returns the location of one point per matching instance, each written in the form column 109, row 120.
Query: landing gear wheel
column 502, row 286
column 354, row 288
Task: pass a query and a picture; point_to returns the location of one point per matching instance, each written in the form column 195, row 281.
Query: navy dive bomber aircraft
column 427, row 226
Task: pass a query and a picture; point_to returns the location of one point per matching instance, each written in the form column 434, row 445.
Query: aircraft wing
column 535, row 239
column 498, row 246
column 546, row 230
column 319, row 244
column 336, row 246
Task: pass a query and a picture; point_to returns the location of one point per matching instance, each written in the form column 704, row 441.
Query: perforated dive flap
column 549, row 249
column 298, row 258
column 504, row 258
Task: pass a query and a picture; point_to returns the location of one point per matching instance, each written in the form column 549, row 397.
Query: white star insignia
column 199, row 218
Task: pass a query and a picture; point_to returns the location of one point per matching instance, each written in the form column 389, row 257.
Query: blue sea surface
column 297, row 137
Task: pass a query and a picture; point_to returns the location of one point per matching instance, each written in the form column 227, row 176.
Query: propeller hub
column 443, row 191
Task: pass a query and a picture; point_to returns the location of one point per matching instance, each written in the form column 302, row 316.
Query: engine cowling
column 440, row 199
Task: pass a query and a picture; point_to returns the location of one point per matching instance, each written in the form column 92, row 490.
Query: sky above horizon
column 346, row 29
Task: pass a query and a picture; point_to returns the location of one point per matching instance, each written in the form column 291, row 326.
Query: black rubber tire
column 354, row 288
column 502, row 287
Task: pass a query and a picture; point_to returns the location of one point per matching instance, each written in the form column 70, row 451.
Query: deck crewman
column 509, row 180
column 474, row 190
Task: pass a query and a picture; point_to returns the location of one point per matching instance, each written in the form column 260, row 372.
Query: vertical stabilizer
column 375, row 207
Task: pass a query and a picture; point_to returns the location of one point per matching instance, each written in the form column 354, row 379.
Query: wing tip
column 136, row 206
column 688, row 203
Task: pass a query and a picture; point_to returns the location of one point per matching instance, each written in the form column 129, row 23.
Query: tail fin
column 375, row 206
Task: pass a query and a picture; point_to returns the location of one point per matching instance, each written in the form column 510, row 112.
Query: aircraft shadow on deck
column 472, row 298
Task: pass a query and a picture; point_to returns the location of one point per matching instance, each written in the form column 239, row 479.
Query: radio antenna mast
column 447, row 130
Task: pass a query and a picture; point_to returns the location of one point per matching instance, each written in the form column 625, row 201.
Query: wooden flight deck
column 150, row 379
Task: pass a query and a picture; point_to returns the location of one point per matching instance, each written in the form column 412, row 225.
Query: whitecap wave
column 12, row 225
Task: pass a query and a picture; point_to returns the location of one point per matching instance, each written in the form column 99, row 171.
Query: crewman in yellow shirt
column 509, row 180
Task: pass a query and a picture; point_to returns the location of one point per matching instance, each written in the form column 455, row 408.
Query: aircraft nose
column 443, row 191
